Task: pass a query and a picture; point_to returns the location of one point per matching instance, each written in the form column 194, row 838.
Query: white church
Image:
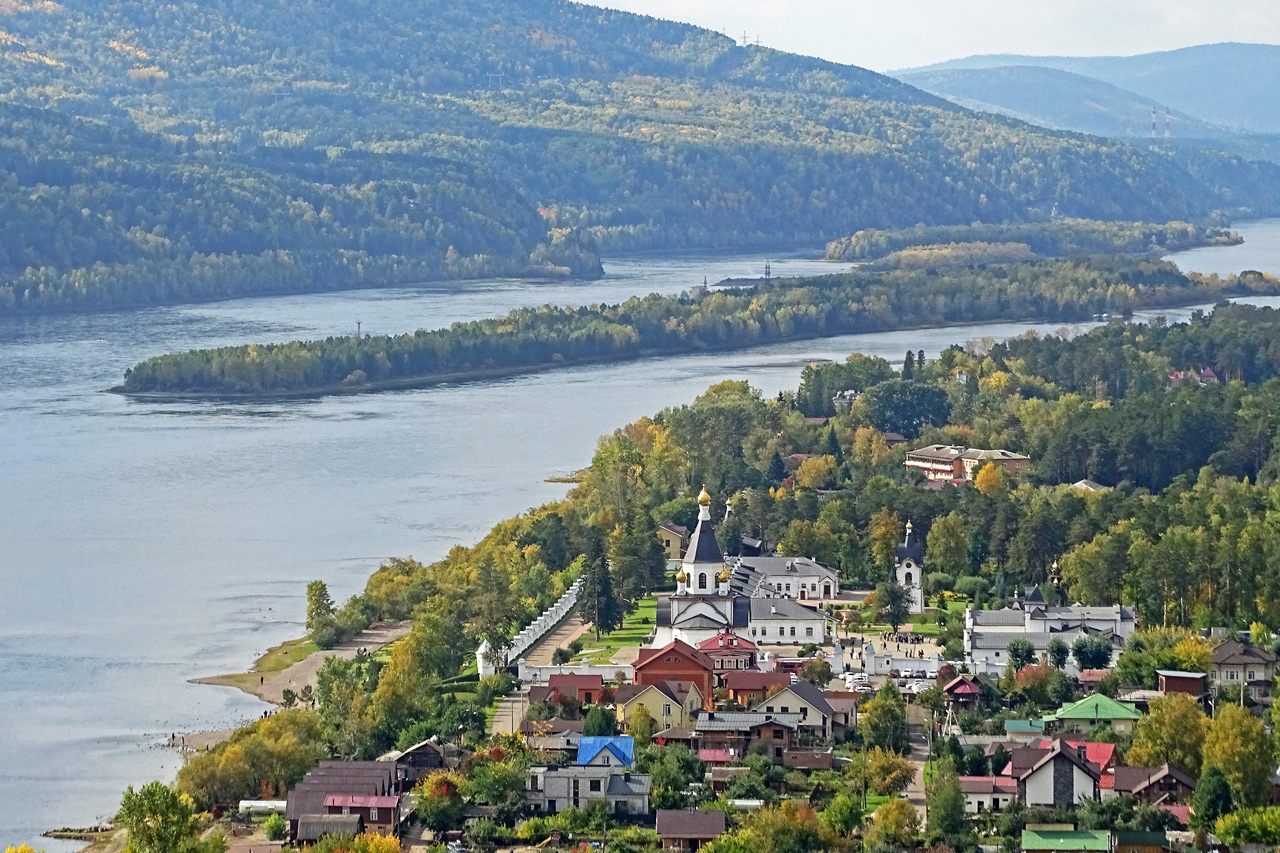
column 909, row 566
column 756, row 598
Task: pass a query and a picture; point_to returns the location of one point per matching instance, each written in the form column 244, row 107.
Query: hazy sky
column 890, row 34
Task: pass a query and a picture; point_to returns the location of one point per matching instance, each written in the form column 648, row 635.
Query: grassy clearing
column 285, row 655
column 633, row 632
column 875, row 801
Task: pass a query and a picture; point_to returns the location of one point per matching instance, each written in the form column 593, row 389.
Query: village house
column 674, row 538
column 954, row 462
column 1066, row 841
column 602, row 772
column 1062, row 777
column 804, row 699
column 988, row 793
column 553, row 789
column 670, row 703
column 748, row 688
column 308, row 798
column 1240, row 663
column 676, row 661
column 728, row 651
column 963, row 692
column 380, row 815
column 416, row 763
column 584, row 689
column 314, row 827
column 735, row 731
column 1094, row 710
column 554, row 735
column 688, row 829
column 1152, row 785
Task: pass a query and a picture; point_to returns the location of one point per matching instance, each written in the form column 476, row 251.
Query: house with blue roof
column 616, row 751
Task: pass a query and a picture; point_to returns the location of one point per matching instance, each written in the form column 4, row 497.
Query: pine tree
column 920, row 360
column 833, row 446
column 597, row 603
column 908, row 366
column 777, row 469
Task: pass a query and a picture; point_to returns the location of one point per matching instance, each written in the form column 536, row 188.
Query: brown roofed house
column 689, row 829
column 748, row 688
column 676, row 661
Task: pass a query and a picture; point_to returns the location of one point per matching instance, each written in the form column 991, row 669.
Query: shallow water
column 143, row 544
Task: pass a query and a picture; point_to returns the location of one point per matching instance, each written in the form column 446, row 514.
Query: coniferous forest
column 167, row 152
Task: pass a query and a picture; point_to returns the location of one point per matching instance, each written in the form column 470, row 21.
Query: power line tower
column 1167, row 135
column 1153, row 128
column 496, row 76
column 768, row 271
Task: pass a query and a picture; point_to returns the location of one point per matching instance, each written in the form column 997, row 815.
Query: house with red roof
column 729, row 652
column 748, row 688
column 963, row 692
column 676, row 661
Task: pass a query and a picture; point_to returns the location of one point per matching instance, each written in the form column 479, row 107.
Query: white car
column 920, row 686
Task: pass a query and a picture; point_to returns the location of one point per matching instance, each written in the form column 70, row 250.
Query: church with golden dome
column 707, row 600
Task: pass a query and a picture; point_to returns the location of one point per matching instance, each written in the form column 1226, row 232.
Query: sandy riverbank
column 268, row 681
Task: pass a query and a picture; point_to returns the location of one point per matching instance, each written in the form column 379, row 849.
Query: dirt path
column 270, row 686
column 917, row 740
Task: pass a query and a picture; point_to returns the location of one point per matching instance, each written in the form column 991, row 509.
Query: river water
column 143, row 544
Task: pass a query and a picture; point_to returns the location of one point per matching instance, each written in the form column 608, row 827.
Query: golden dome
column 704, row 499
column 682, row 577
column 723, row 577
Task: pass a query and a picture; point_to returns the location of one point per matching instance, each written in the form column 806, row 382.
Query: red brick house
column 676, row 661
column 1194, row 684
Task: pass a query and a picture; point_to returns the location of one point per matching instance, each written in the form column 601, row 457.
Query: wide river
column 143, row 544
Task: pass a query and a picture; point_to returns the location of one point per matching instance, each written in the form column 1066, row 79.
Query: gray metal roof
column 736, row 721
column 782, row 608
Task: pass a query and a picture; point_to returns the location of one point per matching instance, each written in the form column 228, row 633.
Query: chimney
column 773, row 611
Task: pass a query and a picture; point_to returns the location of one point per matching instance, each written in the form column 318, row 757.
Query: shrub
column 274, row 826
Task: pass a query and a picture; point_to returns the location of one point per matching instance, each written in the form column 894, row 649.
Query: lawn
column 875, row 801
column 285, row 655
column 634, row 631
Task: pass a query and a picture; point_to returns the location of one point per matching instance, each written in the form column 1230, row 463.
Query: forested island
column 282, row 153
column 1057, row 237
column 740, row 316
column 1177, row 524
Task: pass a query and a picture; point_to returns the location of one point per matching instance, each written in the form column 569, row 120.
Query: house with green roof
column 1096, row 710
column 1066, row 841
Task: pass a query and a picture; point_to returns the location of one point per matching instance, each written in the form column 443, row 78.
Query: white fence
column 531, row 674
column 531, row 633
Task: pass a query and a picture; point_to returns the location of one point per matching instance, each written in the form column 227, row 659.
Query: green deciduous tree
column 1173, row 732
column 1237, row 744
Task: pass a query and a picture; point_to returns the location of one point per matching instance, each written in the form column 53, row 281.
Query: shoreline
column 486, row 374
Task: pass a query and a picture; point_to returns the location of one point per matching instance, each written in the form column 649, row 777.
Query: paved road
column 917, row 738
column 569, row 630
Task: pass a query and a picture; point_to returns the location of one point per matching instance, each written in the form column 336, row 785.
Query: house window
column 346, row 809
column 786, row 709
column 595, row 785
column 808, row 632
column 373, row 813
column 788, row 587
column 753, row 632
column 769, row 709
column 702, row 580
column 777, row 734
column 1252, row 675
column 666, row 710
column 777, row 752
column 793, row 630
column 1233, row 675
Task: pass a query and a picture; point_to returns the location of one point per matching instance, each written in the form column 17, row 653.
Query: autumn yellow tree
column 885, row 534
column 816, row 472
column 1237, row 744
column 990, row 479
column 1172, row 732
column 895, row 824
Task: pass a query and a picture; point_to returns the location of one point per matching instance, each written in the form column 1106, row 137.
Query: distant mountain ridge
column 160, row 151
column 1229, row 84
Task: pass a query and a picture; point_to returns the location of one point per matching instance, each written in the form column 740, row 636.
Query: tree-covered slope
column 167, row 151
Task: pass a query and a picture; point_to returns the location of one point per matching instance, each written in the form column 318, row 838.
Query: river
column 143, row 544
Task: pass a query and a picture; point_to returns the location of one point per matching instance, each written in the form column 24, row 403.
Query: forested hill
column 166, row 151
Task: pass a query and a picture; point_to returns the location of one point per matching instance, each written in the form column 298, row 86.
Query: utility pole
column 358, row 338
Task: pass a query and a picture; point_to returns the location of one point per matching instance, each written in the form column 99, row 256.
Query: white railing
column 530, row 634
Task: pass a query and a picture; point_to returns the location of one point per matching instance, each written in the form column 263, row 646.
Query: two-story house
column 1240, row 663
column 602, row 773
column 672, row 704
column 806, row 700
column 735, row 731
